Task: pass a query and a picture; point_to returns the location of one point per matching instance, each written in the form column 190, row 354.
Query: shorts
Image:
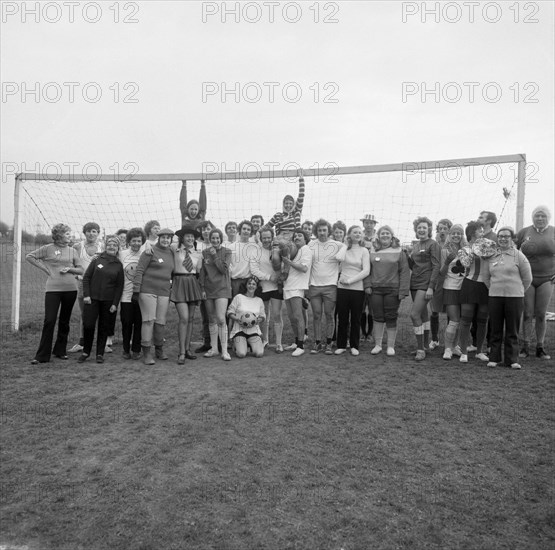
column 288, row 294
column 271, row 294
column 154, row 308
column 185, row 289
column 539, row 281
column 248, row 337
column 473, row 292
column 327, row 293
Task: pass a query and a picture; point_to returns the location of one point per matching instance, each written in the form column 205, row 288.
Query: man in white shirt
column 322, row 291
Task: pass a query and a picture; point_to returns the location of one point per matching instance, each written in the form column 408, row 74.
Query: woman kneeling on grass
column 61, row 263
column 102, row 290
column 508, row 278
column 247, row 312
column 151, row 288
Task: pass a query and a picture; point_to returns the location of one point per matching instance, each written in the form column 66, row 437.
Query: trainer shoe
column 298, row 352
column 211, row 353
column 355, row 352
column 328, row 349
column 82, row 358
column 225, row 356
column 316, row 348
column 420, row 355
column 340, row 351
column 390, row 351
column 524, row 352
column 433, row 345
column 136, row 355
column 448, row 354
column 108, row 349
column 471, row 348
column 457, row 351
column 482, row 357
column 492, row 364
column 540, row 354
column 126, row 355
column 463, row 358
column 376, row 350
column 515, row 366
column 100, row 358
column 292, row 347
column 76, row 349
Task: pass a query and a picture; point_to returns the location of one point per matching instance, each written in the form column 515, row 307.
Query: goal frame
column 519, row 159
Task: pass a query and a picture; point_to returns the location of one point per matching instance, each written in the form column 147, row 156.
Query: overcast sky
column 349, row 61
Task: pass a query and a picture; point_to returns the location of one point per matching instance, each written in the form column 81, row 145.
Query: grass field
column 319, row 452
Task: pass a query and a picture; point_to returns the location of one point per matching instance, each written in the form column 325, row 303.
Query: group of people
column 353, row 279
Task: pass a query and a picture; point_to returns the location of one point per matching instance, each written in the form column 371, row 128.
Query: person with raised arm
column 193, row 211
column 61, row 263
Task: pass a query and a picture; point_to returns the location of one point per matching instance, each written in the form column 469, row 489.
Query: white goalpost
column 457, row 189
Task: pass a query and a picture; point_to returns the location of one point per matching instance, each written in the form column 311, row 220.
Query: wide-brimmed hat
column 369, row 218
column 166, row 231
column 188, row 229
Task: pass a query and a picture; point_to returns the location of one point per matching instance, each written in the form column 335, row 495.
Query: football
column 248, row 320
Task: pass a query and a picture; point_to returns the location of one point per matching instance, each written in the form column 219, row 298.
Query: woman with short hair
column 474, row 292
column 537, row 243
column 130, row 312
column 61, row 263
column 102, row 290
column 387, row 285
column 508, row 278
column 215, row 284
column 424, row 262
column 151, row 288
column 247, row 312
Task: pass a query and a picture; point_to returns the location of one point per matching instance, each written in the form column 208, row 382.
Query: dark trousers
column 205, row 323
column 505, row 312
column 349, row 306
column 131, row 321
column 97, row 310
column 366, row 320
column 54, row 302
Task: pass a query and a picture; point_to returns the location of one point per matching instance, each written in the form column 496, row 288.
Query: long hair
column 452, row 246
column 395, row 243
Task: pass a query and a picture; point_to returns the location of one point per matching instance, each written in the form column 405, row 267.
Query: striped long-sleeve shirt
column 289, row 221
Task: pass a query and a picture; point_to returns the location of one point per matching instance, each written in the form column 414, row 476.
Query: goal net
column 395, row 194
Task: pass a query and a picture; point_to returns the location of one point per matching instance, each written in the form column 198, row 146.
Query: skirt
column 473, row 292
column 185, row 289
column 451, row 297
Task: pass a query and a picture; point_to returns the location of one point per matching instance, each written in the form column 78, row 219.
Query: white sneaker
column 339, row 351
column 390, row 351
column 376, row 350
column 76, row 349
column 211, row 353
column 433, row 345
column 292, row 347
column 225, row 356
column 482, row 357
column 471, row 348
column 515, row 366
column 492, row 364
column 457, row 351
column 448, row 354
column 298, row 352
column 355, row 352
column 463, row 358
column 108, row 349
